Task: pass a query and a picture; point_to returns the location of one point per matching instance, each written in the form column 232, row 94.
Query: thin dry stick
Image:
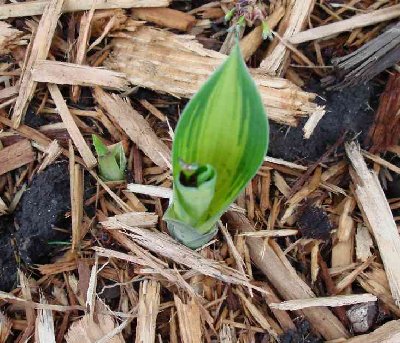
column 40, row 48
column 286, row 282
column 357, row 21
column 77, row 188
column 377, row 213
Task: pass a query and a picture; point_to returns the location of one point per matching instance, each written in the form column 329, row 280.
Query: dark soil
column 314, row 223
column 346, row 110
column 303, row 334
column 42, row 209
column 8, row 263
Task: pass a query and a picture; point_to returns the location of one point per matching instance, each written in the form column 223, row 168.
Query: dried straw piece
column 40, row 47
column 189, row 321
column 181, row 65
column 357, row 21
column 166, row 17
column 377, row 213
column 53, row 151
column 135, row 126
column 285, row 280
column 64, row 73
column 31, row 8
column 71, row 126
column 148, row 307
column 275, row 62
column 339, row 300
column 15, row 156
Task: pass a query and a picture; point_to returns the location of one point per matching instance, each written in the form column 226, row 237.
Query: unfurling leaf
column 112, row 160
column 220, row 142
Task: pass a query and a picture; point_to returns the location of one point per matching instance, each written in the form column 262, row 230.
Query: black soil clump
column 314, row 223
column 303, row 334
column 8, row 263
column 346, row 111
column 42, row 213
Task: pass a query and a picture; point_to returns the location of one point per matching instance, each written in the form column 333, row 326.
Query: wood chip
column 286, row 281
column 275, row 62
column 376, row 212
column 339, row 300
column 357, row 21
column 88, row 331
column 71, row 126
column 45, row 325
column 40, row 47
column 15, row 156
column 364, row 243
column 135, row 126
column 5, row 327
column 64, row 73
column 166, row 17
column 77, row 192
column 166, row 246
column 182, row 65
column 138, row 219
column 387, row 333
column 31, row 8
column 9, row 37
column 154, row 191
column 189, row 321
column 148, row 307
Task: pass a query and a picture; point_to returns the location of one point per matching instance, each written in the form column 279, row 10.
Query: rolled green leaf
column 112, row 160
column 220, row 142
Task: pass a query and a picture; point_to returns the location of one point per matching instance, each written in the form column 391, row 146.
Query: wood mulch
column 310, row 252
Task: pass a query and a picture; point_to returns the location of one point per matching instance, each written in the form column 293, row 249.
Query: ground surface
column 98, row 254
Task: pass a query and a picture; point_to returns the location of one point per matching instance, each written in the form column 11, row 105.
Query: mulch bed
column 308, row 253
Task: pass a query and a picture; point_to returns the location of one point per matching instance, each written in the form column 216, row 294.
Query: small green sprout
column 249, row 13
column 220, row 142
column 112, row 161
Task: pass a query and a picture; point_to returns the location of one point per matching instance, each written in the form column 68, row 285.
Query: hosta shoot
column 112, row 160
column 220, row 142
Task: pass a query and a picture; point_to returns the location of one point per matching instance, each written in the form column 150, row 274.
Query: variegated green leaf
column 224, row 126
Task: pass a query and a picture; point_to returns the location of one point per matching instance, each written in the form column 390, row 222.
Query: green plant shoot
column 112, row 160
column 220, row 142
